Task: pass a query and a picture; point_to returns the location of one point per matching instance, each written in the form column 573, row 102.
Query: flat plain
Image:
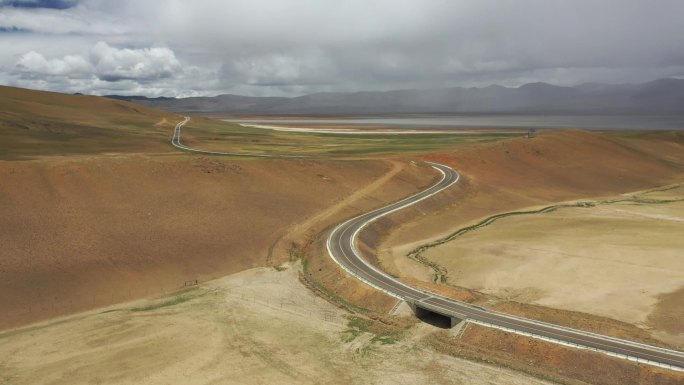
column 614, row 257
column 254, row 327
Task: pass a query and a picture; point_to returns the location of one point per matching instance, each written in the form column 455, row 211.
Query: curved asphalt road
column 342, row 248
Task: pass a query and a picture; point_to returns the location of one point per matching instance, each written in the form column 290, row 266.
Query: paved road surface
column 342, row 248
column 177, row 143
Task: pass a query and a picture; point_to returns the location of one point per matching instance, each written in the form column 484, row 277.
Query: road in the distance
column 176, row 142
column 342, row 248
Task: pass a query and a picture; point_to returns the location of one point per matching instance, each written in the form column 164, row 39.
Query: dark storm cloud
column 12, row 29
column 289, row 47
column 53, row 4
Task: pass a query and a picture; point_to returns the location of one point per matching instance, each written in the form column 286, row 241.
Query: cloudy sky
column 294, row 47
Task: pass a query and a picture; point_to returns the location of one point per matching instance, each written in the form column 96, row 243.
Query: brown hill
column 555, row 166
column 503, row 176
column 38, row 123
column 83, row 232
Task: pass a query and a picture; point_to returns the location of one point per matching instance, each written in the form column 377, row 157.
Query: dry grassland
column 558, row 166
column 255, row 327
column 104, row 214
column 613, row 260
column 36, row 124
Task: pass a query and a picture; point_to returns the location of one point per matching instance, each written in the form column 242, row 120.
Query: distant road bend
column 342, row 248
column 176, row 142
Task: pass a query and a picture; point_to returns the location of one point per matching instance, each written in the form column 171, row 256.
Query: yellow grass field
column 616, row 258
column 254, row 327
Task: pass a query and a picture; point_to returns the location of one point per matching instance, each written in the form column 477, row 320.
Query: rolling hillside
column 37, row 123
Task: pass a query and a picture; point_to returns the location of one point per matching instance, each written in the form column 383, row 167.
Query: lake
column 590, row 122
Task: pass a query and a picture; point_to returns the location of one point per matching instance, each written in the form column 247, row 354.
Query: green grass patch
column 233, row 138
column 382, row 334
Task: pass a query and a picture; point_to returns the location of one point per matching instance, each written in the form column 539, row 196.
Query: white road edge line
column 175, row 141
column 430, row 294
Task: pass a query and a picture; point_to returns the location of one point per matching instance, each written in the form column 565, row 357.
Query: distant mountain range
column 660, row 97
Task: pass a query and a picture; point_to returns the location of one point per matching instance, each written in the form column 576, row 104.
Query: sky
column 181, row 48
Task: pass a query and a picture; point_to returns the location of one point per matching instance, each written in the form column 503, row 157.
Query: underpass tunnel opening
column 435, row 319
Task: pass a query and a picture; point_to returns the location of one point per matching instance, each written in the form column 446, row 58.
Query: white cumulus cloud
column 70, row 65
column 106, row 63
column 113, row 64
column 290, row 47
column 105, row 69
